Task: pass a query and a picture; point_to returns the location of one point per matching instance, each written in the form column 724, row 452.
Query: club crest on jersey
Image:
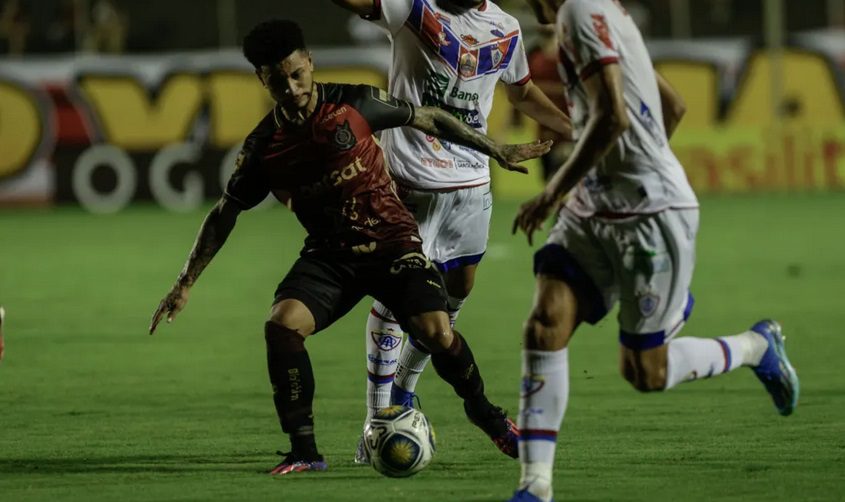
column 648, row 303
column 344, row 138
column 468, row 64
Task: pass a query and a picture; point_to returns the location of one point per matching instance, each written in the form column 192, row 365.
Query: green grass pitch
column 91, row 407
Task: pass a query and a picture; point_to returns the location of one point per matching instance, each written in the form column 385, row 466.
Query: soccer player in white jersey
column 626, row 233
column 449, row 54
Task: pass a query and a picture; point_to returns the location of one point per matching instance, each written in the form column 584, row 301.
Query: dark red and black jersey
column 333, row 170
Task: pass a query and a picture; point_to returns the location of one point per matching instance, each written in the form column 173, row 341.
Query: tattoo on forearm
column 442, row 124
column 212, row 235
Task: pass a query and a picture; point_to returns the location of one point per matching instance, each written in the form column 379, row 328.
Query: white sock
column 454, row 305
column 384, row 341
column 412, row 362
column 692, row 358
column 542, row 404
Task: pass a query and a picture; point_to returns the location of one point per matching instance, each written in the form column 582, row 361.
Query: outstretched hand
column 509, row 156
column 171, row 305
column 533, row 214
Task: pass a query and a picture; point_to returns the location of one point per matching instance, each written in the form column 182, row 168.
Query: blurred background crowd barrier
column 105, row 103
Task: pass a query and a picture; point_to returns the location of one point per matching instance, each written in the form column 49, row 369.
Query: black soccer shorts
column 407, row 283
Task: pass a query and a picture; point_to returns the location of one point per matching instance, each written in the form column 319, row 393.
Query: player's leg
column 414, row 357
column 574, row 283
column 658, row 306
column 455, row 228
column 454, row 362
column 416, row 294
column 308, row 299
column 383, row 343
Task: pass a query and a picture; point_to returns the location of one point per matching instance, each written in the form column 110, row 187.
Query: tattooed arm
column 212, row 235
column 437, row 122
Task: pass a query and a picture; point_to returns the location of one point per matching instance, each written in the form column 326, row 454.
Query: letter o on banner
column 119, row 162
column 163, row 192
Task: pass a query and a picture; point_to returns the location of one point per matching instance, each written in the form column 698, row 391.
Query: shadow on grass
column 162, row 464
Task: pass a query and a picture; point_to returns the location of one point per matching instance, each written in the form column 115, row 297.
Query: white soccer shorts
column 645, row 262
column 454, row 225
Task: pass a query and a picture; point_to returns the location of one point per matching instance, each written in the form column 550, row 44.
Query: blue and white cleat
column 774, row 370
column 402, row 397
column 525, row 496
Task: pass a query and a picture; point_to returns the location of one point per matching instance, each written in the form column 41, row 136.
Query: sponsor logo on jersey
column 463, row 95
column 334, row 178
column 469, row 39
column 468, row 164
column 333, row 115
column 436, row 163
column 344, row 138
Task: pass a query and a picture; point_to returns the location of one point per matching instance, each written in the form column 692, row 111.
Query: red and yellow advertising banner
column 105, row 133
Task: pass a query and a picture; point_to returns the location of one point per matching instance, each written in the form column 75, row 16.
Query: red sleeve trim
column 483, row 6
column 524, row 80
column 376, row 14
column 596, row 65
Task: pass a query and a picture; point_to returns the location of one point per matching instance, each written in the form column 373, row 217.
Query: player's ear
column 310, row 62
column 260, row 79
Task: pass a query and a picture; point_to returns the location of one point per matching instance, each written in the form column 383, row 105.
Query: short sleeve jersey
column 641, row 174
column 452, row 62
column 333, row 171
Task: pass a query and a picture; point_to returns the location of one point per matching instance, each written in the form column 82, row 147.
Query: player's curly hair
column 272, row 41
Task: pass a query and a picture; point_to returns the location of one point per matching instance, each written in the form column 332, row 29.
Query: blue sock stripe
column 690, row 305
column 380, row 379
column 538, row 435
column 726, row 351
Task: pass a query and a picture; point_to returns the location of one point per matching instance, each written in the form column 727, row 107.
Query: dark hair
column 272, row 41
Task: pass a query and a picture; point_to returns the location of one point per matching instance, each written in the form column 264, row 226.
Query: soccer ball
column 399, row 441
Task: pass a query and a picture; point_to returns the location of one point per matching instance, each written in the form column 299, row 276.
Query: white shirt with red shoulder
column 452, row 62
column 641, row 174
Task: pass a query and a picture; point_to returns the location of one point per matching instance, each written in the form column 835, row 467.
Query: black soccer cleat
column 495, row 423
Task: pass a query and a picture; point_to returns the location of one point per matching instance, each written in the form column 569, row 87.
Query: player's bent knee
column 432, row 331
column 545, row 331
column 282, row 338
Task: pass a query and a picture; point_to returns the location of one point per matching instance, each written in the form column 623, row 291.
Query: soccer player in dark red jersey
column 316, row 150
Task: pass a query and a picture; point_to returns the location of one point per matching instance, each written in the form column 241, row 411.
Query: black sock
column 456, row 365
column 293, row 387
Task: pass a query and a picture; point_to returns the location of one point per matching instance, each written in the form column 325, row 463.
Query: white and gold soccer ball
column 399, row 441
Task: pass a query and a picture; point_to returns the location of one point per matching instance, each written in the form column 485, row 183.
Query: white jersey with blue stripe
column 641, row 174
column 452, row 62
